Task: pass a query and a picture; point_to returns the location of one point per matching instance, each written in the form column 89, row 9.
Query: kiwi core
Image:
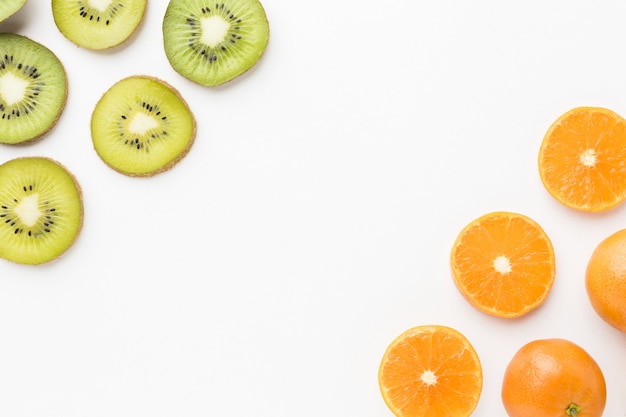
column 12, row 88
column 214, row 30
column 100, row 5
column 141, row 123
column 28, row 209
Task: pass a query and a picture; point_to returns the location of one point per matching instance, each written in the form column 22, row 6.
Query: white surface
column 312, row 220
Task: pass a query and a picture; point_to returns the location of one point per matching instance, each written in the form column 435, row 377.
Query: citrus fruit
column 553, row 378
column 503, row 264
column 581, row 159
column 605, row 280
column 433, row 371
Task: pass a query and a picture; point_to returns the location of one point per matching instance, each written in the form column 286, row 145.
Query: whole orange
column 606, row 280
column 553, row 378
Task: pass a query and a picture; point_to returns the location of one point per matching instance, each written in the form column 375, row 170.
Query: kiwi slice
column 41, row 210
column 9, row 7
column 212, row 42
column 98, row 24
column 33, row 89
column 142, row 126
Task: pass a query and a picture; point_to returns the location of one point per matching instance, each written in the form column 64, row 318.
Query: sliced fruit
column 211, row 43
column 98, row 24
column 142, row 126
column 503, row 264
column 33, row 89
column 581, row 159
column 9, row 7
column 431, row 371
column 41, row 210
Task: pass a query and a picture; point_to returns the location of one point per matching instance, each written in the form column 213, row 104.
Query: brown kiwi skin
column 82, row 208
column 41, row 135
column 181, row 155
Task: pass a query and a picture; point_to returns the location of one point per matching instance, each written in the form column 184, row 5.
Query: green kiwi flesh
column 33, row 89
column 142, row 126
column 212, row 42
column 9, row 7
column 98, row 24
column 41, row 210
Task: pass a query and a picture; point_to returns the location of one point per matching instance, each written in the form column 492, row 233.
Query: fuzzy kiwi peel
column 98, row 24
column 33, row 89
column 9, row 7
column 41, row 210
column 211, row 42
column 142, row 126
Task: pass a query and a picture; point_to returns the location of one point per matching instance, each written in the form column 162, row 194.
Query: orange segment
column 582, row 159
column 503, row 264
column 431, row 371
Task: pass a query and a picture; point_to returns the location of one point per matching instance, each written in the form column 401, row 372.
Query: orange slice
column 503, row 264
column 582, row 159
column 431, row 371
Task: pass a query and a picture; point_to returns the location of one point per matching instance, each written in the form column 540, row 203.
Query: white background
column 312, row 221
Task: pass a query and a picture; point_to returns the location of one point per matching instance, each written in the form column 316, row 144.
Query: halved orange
column 503, row 264
column 582, row 159
column 432, row 371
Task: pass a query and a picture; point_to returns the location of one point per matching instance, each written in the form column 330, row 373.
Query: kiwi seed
column 33, row 89
column 98, row 24
column 9, row 7
column 41, row 210
column 212, row 42
column 142, row 126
